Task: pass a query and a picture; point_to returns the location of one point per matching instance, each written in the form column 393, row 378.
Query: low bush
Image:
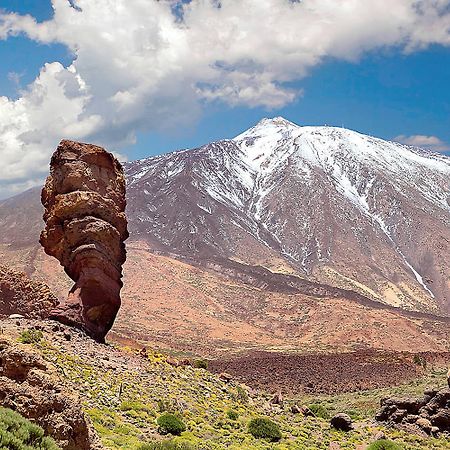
column 241, row 395
column 31, row 336
column 384, row 444
column 319, row 411
column 232, row 414
column 201, row 364
column 170, row 423
column 18, row 433
column 264, row 428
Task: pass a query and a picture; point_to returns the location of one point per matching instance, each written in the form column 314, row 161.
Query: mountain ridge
column 231, row 181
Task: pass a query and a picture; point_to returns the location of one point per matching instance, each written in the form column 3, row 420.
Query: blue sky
column 386, row 94
column 373, row 79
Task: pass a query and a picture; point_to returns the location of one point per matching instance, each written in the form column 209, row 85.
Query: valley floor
column 124, row 392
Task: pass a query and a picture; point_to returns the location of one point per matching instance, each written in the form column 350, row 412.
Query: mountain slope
column 326, row 203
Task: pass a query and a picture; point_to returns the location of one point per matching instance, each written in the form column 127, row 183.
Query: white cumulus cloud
column 137, row 65
column 427, row 142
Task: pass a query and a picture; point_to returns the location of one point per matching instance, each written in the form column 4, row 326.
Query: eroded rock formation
column 86, row 226
column 429, row 414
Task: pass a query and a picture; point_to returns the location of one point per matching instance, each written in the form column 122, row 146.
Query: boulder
column 22, row 297
column 15, row 316
column 277, row 399
column 85, row 229
column 441, row 419
column 342, row 422
column 399, row 415
column 435, row 431
column 425, row 424
column 31, row 387
column 225, row 377
column 385, row 412
column 410, row 405
column 411, row 418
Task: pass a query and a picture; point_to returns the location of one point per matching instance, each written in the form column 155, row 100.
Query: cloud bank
column 428, row 142
column 147, row 64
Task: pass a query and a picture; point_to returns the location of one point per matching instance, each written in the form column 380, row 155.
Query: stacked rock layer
column 430, row 413
column 86, row 226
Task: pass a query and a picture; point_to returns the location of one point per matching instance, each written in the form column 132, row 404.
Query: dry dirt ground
column 173, row 305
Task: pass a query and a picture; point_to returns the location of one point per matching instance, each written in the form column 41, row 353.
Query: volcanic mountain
column 324, row 203
column 281, row 236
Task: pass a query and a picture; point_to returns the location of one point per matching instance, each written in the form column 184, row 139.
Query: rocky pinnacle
column 86, row 226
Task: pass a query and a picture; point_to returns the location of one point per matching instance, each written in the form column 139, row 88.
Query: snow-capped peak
column 267, row 126
column 259, row 143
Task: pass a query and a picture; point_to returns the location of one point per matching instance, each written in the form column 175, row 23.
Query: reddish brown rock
column 32, row 387
column 19, row 295
column 86, row 226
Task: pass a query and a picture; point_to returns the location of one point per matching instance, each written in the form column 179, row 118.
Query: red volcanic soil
column 320, row 373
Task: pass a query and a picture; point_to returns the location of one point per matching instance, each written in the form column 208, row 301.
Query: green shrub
column 232, row 414
column 18, row 433
column 31, row 336
column 201, row 364
column 166, row 445
column 319, row 411
column 264, row 428
column 170, row 423
column 384, row 444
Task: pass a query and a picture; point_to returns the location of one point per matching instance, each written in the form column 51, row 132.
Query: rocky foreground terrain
column 71, row 386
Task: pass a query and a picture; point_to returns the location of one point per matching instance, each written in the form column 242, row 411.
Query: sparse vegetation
column 18, row 433
column 31, row 336
column 384, row 444
column 202, row 402
column 232, row 414
column 264, row 428
column 164, row 405
column 241, row 395
column 166, row 445
column 420, row 361
column 170, row 424
column 319, row 411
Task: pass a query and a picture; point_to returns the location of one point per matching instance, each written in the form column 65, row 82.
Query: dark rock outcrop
column 429, row 414
column 86, row 226
column 342, row 422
